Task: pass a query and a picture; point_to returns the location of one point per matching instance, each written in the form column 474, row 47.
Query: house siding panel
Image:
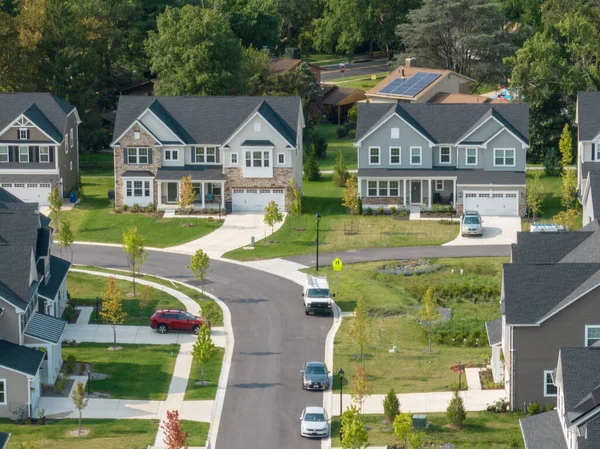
column 487, row 130
column 17, row 387
column 435, row 161
column 588, row 209
column 536, row 348
column 462, row 159
column 505, row 140
column 9, row 323
column 69, row 177
column 35, row 135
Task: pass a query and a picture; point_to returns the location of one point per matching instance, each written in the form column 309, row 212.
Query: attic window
column 257, row 127
column 22, row 133
column 136, row 135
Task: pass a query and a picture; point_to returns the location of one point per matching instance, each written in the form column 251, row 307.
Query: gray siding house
column 469, row 155
column 549, row 300
column 241, row 152
column 33, row 296
column 39, row 145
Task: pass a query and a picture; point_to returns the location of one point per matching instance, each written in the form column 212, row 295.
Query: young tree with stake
column 295, row 199
column 55, row 202
column 80, row 401
column 112, row 306
column 359, row 327
column 350, row 199
column 361, row 387
column 133, row 246
column 200, row 265
column 187, row 196
column 535, row 195
column 204, row 348
column 175, row 437
column 66, row 238
column 429, row 313
column 340, row 171
column 391, row 406
column 272, row 215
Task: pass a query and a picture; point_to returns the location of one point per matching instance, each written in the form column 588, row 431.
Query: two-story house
column 549, row 300
column 33, row 295
column 469, row 155
column 587, row 119
column 38, row 145
column 575, row 423
column 241, row 152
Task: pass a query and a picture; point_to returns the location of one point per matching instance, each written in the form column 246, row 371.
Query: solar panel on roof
column 410, row 87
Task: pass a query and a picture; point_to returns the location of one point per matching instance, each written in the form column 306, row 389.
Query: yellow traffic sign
column 337, row 264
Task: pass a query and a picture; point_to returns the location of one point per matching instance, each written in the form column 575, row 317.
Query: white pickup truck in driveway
column 317, row 297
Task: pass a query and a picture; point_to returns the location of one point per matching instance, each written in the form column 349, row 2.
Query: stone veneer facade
column 235, row 180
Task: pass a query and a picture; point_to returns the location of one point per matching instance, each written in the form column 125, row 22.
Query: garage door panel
column 29, row 192
column 492, row 203
column 255, row 200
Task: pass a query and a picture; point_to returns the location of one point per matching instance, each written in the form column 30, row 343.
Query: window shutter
column 28, row 137
column 11, row 157
column 30, row 154
column 51, row 151
column 125, row 155
column 193, row 155
column 593, row 151
column 36, row 153
column 149, row 155
column 18, row 134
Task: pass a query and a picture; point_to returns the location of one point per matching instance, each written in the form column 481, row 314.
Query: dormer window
column 22, row 133
column 136, row 135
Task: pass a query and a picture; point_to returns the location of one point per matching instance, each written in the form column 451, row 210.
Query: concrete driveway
column 237, row 231
column 496, row 231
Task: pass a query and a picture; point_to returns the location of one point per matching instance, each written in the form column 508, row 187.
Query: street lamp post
column 341, row 376
column 317, row 218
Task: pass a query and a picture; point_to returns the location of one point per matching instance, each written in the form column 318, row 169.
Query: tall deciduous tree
column 569, row 177
column 272, row 215
column 80, row 401
column 175, row 437
column 255, row 22
column 429, row 313
column 200, row 266
column 133, row 246
column 112, row 306
column 569, row 219
column 359, row 327
column 187, row 196
column 204, row 348
column 351, row 200
column 55, row 203
column 195, row 52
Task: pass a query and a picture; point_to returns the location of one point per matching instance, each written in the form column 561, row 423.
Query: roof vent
column 402, row 71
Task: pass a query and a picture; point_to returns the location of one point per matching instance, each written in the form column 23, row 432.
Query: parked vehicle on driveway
column 471, row 224
column 314, row 423
column 315, row 376
column 178, row 320
column 317, row 297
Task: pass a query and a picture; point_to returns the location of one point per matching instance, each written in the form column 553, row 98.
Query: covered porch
column 494, row 331
column 208, row 183
column 423, row 192
column 45, row 333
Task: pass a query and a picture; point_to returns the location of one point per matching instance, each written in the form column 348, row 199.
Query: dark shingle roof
column 494, row 331
column 464, row 177
column 211, row 120
column 51, row 107
column 59, row 268
column 137, row 174
column 45, row 327
column 587, row 167
column 594, row 180
column 545, row 248
column 543, row 431
column 580, row 374
column 171, row 123
column 533, row 291
column 34, row 114
column 29, row 178
column 20, row 358
column 588, row 114
column 198, row 173
column 257, row 143
column 444, row 123
column 43, row 242
column 4, row 437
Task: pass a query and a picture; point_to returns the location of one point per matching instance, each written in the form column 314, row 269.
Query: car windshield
column 471, row 220
column 315, row 369
column 190, row 316
column 314, row 417
column 318, row 293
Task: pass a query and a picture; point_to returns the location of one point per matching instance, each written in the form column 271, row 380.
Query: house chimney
column 410, row 62
column 402, row 72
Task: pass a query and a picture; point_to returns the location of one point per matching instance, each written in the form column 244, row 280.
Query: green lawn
column 393, row 302
column 198, row 432
column 334, row 146
column 94, row 221
column 105, row 433
column 85, row 288
column 136, row 371
column 483, row 430
column 210, row 309
column 212, row 371
column 359, row 82
column 372, row 231
column 96, row 164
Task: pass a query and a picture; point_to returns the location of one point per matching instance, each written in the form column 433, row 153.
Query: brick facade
column 382, row 200
column 235, row 180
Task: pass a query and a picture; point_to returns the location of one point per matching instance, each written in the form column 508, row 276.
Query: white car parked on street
column 314, row 423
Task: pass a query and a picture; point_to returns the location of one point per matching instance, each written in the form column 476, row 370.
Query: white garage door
column 30, row 193
column 255, row 200
column 492, row 203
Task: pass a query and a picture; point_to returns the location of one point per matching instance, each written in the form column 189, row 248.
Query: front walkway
column 496, row 231
column 237, row 231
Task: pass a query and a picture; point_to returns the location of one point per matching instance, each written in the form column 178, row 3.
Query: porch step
column 415, row 214
column 169, row 214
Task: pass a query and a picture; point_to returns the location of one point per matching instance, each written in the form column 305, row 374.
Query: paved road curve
column 273, row 338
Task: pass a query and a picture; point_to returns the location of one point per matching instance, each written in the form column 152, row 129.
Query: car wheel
column 162, row 328
column 305, row 312
column 196, row 329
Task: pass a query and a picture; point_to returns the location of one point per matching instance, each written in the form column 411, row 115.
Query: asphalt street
column 273, row 337
column 355, row 69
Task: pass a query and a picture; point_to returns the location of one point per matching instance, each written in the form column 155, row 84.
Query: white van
column 317, row 297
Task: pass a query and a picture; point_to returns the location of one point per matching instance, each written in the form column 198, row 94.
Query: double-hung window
column 471, row 156
column 257, row 159
column 138, row 188
column 23, row 154
column 444, row 155
column 171, row 155
column 504, row 157
column 44, row 154
column 550, row 389
column 22, row 133
column 3, row 395
column 205, row 155
column 383, row 188
column 3, row 154
column 439, row 185
column 394, row 188
column 592, row 335
column 372, row 188
column 233, row 158
column 415, row 155
column 137, row 155
column 281, row 158
column 395, row 158
column 374, row 155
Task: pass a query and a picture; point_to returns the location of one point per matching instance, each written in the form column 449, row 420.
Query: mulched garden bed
column 431, row 214
column 408, row 267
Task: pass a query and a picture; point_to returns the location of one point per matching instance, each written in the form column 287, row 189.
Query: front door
column 415, row 192
column 172, row 192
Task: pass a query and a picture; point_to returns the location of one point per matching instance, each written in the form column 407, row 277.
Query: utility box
column 419, row 421
column 111, row 195
column 292, row 53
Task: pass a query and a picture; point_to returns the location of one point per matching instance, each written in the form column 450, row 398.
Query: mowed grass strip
column 85, row 288
column 335, row 145
column 136, row 371
column 324, row 198
column 95, row 221
column 210, row 309
column 105, row 433
column 212, row 371
column 198, row 432
column 482, row 430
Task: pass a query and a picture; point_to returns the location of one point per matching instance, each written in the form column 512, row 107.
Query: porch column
column 202, row 183
column 404, row 191
column 222, row 194
column 159, row 198
column 430, row 194
column 454, row 195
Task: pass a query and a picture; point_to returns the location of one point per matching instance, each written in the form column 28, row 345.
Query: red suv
column 180, row 320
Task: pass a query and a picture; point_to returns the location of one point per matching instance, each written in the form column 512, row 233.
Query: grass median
column 212, row 370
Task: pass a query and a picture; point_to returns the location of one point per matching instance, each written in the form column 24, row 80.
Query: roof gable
column 588, row 115
column 37, row 117
column 163, row 115
column 20, row 358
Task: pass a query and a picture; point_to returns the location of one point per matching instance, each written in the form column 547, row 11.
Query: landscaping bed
column 135, row 372
column 212, row 370
column 482, row 430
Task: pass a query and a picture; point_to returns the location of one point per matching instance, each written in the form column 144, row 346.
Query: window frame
column 204, row 153
column 439, row 189
column 129, row 189
column 380, row 188
column 3, row 392
column 264, row 157
column 449, row 155
column 372, row 155
column 397, row 188
column 399, row 155
column 71, row 137
column 66, row 143
column 369, row 188
column 420, row 155
column 231, row 157
column 279, row 157
column 587, row 338
column 546, row 385
column 136, row 189
column 504, row 150
column 7, row 154
column 467, row 156
column 21, row 130
column 137, row 155
column 26, row 154
column 47, row 148
column 172, row 152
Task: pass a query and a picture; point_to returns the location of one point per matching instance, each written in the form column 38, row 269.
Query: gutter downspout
column 512, row 369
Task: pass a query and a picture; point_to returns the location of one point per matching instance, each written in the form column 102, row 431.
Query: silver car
column 314, row 423
column 471, row 224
